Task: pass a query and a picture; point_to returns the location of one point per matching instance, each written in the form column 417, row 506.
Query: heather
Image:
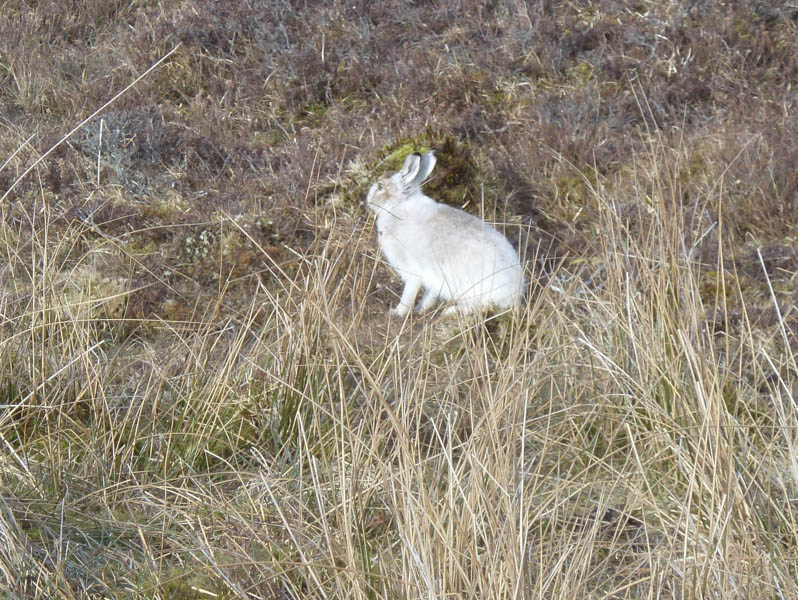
column 202, row 393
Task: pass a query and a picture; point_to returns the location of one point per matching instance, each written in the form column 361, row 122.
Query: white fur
column 453, row 255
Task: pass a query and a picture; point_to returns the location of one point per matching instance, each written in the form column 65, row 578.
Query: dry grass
column 603, row 443
column 202, row 395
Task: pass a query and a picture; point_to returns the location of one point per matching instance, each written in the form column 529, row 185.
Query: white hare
column 453, row 255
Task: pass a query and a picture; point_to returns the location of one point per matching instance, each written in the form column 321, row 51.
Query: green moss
column 575, row 192
column 312, row 114
column 180, row 583
column 165, row 207
column 398, row 154
column 744, row 27
column 582, row 73
column 209, row 447
column 456, row 178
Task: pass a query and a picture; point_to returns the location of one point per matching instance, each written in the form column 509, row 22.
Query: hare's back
column 479, row 264
column 458, row 230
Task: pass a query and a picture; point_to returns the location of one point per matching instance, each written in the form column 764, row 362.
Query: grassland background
column 202, row 395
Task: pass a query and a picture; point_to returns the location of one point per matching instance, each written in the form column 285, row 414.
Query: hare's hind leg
column 412, row 285
column 428, row 300
column 462, row 307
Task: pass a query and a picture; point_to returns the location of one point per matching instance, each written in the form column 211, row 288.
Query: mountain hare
column 450, row 253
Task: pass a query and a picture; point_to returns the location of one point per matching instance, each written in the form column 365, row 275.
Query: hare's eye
column 380, row 186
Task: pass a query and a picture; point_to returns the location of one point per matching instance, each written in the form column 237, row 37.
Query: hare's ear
column 410, row 168
column 425, row 168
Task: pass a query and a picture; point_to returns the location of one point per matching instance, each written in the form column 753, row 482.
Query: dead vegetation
column 201, row 394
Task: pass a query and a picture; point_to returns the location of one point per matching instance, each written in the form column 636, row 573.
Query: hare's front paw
column 400, row 311
column 457, row 309
column 428, row 300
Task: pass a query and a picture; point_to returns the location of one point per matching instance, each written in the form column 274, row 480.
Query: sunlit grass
column 603, row 442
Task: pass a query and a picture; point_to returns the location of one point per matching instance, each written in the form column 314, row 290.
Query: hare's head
column 389, row 190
